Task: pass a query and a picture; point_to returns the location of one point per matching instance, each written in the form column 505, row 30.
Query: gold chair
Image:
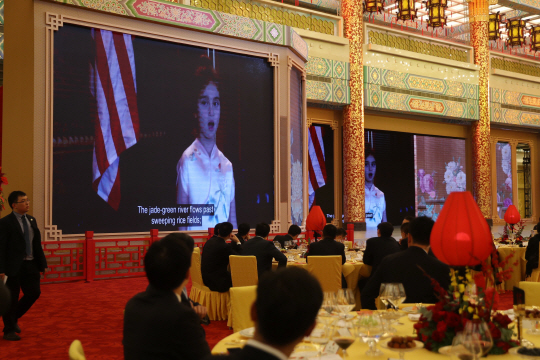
column 532, row 292
column 197, row 250
column 242, row 298
column 216, row 303
column 347, row 243
column 243, row 270
column 327, row 269
column 76, row 351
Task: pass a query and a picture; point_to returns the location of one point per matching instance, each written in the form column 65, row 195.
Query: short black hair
column 182, row 237
column 386, row 229
column 329, row 231
column 14, row 197
column 294, row 230
column 405, row 228
column 225, row 229
column 216, row 229
column 409, row 218
column 243, row 229
column 167, row 263
column 341, row 232
column 420, row 230
column 288, row 301
column 262, row 230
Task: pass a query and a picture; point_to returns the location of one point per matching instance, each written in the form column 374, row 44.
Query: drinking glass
column 383, row 294
column 476, row 338
column 396, row 294
column 329, row 304
column 320, row 337
column 472, row 292
column 466, row 347
column 344, row 336
column 345, row 301
column 370, row 329
column 277, row 245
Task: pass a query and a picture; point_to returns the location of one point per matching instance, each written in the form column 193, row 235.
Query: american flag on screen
column 316, row 161
column 114, row 86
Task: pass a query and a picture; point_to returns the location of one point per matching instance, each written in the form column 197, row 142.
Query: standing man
column 21, row 260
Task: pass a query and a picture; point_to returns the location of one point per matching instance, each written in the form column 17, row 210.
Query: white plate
column 415, row 317
column 410, row 309
column 249, row 332
column 446, row 350
column 419, row 345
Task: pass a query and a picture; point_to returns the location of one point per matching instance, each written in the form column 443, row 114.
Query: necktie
column 27, row 236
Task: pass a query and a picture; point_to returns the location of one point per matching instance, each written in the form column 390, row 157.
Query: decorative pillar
column 479, row 27
column 353, row 119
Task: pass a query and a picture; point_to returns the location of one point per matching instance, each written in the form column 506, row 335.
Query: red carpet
column 92, row 313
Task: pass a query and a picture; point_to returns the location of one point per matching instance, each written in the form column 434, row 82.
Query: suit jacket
column 242, row 241
column 157, row 326
column 282, row 238
column 13, row 246
column 377, row 248
column 214, row 262
column 327, row 246
column 531, row 254
column 264, row 251
column 403, row 267
column 247, row 353
column 404, row 243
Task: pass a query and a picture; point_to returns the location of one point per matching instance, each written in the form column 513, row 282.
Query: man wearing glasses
column 21, row 261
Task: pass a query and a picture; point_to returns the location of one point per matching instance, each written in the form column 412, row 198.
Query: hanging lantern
column 406, row 10
column 315, row 220
column 535, row 38
column 511, row 215
column 515, row 32
column 461, row 235
column 436, row 12
column 494, row 23
column 372, row 6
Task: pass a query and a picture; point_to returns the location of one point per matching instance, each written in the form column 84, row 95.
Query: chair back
column 242, row 298
column 197, row 249
column 195, row 270
column 347, row 243
column 327, row 269
column 76, row 351
column 532, row 292
column 243, row 270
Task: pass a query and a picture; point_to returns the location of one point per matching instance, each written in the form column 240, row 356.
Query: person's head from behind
column 370, row 166
column 405, row 230
column 225, row 230
column 243, row 229
column 208, row 110
column 420, row 231
column 407, row 219
column 341, row 234
column 287, row 304
column 329, row 231
column 181, row 237
column 216, row 229
column 385, row 229
column 294, row 231
column 167, row 263
column 262, row 230
column 18, row 202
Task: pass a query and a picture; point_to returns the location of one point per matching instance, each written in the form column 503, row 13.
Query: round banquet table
column 518, row 273
column 358, row 348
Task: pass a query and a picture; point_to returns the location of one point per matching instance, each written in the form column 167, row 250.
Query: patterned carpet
column 92, row 313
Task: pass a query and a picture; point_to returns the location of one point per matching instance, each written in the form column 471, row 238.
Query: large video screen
column 150, row 134
column 408, row 174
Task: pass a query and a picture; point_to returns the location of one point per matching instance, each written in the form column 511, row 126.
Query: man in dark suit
column 292, row 235
column 263, row 250
column 215, row 258
column 379, row 247
column 329, row 246
column 406, row 267
column 531, row 254
column 21, row 260
column 156, row 323
column 284, row 312
column 243, row 232
column 404, row 242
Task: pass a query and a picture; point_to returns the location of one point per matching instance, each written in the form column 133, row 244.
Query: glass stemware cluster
column 473, row 342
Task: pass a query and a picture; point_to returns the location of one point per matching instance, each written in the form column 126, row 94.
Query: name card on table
column 331, row 348
column 348, row 257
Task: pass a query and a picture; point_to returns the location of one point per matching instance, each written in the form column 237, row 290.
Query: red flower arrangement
column 3, row 180
column 517, row 229
column 439, row 323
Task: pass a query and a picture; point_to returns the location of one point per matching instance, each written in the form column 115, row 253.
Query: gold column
column 353, row 119
column 479, row 21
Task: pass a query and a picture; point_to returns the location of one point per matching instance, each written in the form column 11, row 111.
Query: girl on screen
column 204, row 174
column 375, row 202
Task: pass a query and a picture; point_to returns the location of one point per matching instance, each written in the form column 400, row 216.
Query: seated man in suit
column 243, row 232
column 404, row 242
column 156, row 323
column 531, row 254
column 292, row 235
column 329, row 246
column 286, row 308
column 263, row 250
column 379, row 247
column 406, row 267
column 341, row 234
column 215, row 258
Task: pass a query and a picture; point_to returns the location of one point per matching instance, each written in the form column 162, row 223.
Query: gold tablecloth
column 518, row 273
column 358, row 348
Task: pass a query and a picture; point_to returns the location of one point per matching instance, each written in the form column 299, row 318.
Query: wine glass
column 328, row 305
column 370, row 329
column 396, row 294
column 383, row 294
column 344, row 336
column 477, row 338
column 277, row 245
column 320, row 337
column 345, row 301
column 465, row 347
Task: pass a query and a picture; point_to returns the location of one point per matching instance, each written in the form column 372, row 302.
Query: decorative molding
column 514, row 108
column 54, row 21
column 515, row 67
column 273, row 59
column 335, row 87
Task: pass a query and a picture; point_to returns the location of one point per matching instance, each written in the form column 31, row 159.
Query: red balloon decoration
column 511, row 216
column 461, row 235
column 315, row 220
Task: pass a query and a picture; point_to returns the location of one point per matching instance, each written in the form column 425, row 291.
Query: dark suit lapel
column 16, row 224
